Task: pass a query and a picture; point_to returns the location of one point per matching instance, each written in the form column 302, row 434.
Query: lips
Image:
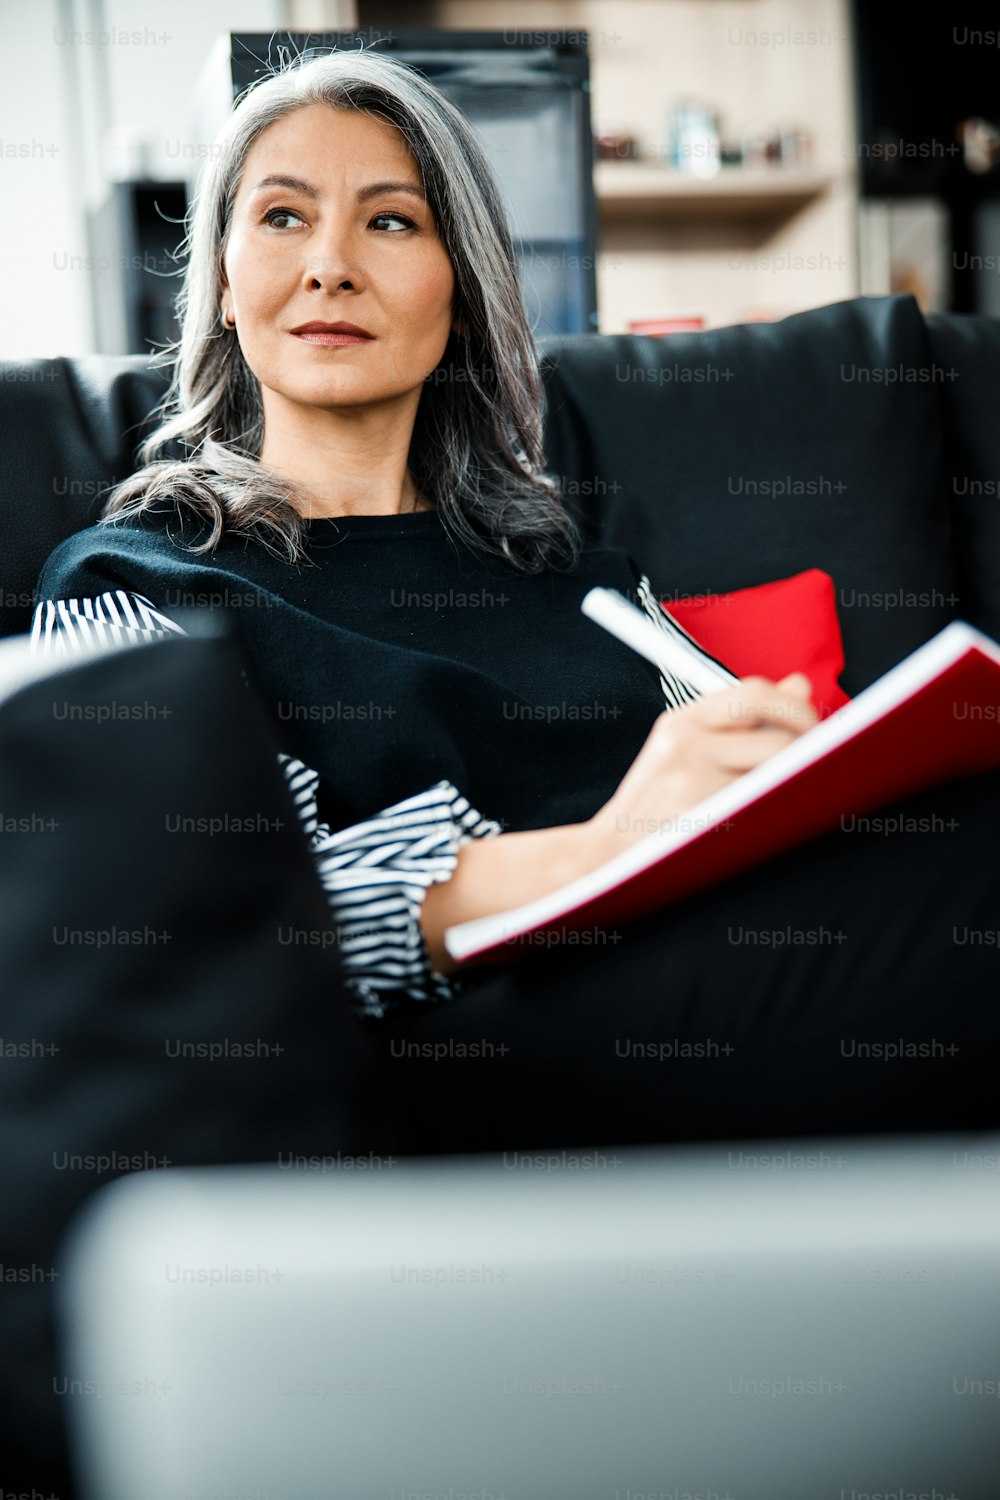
column 332, row 333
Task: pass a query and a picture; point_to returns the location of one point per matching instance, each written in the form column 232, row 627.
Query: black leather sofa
column 860, row 438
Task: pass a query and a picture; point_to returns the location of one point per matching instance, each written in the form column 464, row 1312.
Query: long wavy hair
column 476, row 447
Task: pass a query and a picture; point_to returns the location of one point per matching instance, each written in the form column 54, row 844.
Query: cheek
column 232, row 259
column 429, row 297
column 254, row 280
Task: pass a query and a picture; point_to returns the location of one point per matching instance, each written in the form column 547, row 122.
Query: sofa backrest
column 71, row 429
column 742, row 455
column 720, row 460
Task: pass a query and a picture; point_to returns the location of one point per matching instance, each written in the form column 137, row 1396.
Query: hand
column 693, row 751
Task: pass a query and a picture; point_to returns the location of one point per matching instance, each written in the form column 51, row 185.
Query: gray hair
column 476, row 449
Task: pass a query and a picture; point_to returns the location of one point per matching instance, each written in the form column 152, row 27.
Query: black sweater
column 399, row 660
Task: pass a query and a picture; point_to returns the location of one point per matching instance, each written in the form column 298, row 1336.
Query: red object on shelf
column 658, row 328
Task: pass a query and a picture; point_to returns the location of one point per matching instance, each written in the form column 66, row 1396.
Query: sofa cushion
column 158, row 1007
column 727, row 458
column 776, row 628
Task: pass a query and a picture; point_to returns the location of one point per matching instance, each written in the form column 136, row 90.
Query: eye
column 283, row 213
column 399, row 218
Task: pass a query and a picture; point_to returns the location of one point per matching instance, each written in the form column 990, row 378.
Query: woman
column 362, row 484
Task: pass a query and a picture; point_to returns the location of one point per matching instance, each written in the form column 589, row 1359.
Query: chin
column 334, row 393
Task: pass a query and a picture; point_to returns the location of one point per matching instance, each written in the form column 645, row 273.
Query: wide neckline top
column 361, row 525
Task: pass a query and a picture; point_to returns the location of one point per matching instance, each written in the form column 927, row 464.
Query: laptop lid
column 762, row 1321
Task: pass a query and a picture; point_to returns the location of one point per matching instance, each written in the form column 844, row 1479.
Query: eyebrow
column 373, row 190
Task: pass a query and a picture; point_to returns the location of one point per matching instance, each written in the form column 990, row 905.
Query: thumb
column 796, row 682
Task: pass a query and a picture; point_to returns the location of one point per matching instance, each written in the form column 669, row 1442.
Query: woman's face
column 350, row 239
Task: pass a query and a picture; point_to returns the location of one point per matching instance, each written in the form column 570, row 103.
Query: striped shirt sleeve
column 376, row 874
column 676, row 690
column 77, row 627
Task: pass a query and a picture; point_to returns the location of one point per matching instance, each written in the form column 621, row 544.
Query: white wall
column 43, row 310
column 67, row 84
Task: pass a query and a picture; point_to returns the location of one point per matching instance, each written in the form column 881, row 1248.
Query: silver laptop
column 757, row 1321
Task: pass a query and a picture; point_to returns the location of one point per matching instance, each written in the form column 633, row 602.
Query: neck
column 344, row 462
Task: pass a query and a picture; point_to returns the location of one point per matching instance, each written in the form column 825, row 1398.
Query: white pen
column 617, row 614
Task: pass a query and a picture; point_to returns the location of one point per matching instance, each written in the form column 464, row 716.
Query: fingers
column 796, row 682
column 740, row 751
column 758, row 701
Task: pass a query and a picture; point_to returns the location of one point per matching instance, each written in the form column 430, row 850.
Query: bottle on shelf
column 693, row 132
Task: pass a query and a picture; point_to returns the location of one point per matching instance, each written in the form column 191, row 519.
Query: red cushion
column 790, row 625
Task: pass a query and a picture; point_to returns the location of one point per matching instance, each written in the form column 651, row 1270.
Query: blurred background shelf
column 627, row 187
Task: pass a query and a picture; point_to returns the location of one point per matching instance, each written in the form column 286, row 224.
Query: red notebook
column 933, row 717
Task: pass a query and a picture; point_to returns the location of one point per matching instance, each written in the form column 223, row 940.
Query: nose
column 333, row 260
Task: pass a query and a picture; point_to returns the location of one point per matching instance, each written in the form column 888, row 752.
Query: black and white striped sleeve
column 78, row 627
column 376, row 874
column 676, row 690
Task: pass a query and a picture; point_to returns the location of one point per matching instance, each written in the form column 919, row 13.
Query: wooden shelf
column 627, row 188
